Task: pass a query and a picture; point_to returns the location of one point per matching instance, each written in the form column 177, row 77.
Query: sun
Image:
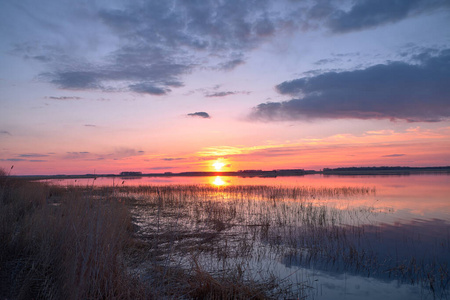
column 218, row 165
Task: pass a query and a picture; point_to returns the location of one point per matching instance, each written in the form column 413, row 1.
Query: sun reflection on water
column 218, row 181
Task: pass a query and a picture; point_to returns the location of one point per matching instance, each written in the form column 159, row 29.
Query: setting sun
column 218, row 165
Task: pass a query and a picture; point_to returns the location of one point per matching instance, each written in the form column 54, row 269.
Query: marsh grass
column 190, row 241
column 69, row 245
column 236, row 225
column 225, row 228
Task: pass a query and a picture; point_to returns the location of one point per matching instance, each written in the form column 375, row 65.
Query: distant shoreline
column 259, row 173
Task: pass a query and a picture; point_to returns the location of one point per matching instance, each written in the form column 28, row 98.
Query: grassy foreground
column 62, row 244
column 200, row 242
column 79, row 243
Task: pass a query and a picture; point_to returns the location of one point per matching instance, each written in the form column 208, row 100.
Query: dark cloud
column 4, row 132
column 37, row 160
column 13, row 159
column 264, row 27
column 326, row 61
column 74, row 80
column 90, row 125
column 397, row 90
column 200, row 114
column 393, row 155
column 231, row 64
column 76, row 153
column 64, row 98
column 370, row 13
column 220, row 94
column 160, row 41
column 160, row 168
column 156, row 43
column 224, row 94
column 172, row 158
column 148, row 89
column 151, row 73
column 33, row 155
column 321, row 10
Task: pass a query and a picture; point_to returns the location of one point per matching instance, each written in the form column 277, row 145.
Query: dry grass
column 202, row 285
column 67, row 246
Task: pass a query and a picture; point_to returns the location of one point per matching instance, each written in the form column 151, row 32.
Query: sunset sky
column 172, row 86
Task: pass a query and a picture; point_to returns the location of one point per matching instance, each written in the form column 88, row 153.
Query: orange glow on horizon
column 417, row 146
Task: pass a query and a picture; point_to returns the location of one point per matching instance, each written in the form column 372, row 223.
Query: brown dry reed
column 62, row 244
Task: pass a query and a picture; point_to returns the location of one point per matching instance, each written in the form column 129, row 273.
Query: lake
column 324, row 237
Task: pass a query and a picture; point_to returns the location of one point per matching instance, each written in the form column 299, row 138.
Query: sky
column 183, row 85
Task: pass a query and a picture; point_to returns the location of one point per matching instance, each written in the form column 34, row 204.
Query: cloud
column 172, row 158
column 397, row 90
column 231, row 65
column 144, row 47
column 90, row 125
column 148, row 89
column 220, row 94
column 74, row 80
column 4, row 132
column 33, row 155
column 123, row 152
column 371, row 13
column 14, row 159
column 224, row 94
column 64, row 98
column 159, row 168
column 393, row 155
column 326, row 61
column 76, row 155
column 200, row 114
column 264, row 27
column 148, row 46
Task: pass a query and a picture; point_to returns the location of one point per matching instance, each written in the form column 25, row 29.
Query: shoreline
column 352, row 171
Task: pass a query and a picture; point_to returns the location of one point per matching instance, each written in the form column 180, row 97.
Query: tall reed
column 63, row 245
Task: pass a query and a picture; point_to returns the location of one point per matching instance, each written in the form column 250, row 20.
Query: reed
column 67, row 246
column 256, row 223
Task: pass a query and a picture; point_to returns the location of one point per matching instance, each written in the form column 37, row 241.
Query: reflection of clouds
column 410, row 252
column 348, row 286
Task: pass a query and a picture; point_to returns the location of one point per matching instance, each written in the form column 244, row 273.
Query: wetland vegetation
column 207, row 242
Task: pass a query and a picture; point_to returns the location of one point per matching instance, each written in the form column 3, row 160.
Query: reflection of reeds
column 236, row 222
column 295, row 223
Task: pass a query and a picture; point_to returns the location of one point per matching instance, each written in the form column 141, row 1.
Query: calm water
column 405, row 225
column 406, row 198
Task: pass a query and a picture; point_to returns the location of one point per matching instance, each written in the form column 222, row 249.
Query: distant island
column 261, row 173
